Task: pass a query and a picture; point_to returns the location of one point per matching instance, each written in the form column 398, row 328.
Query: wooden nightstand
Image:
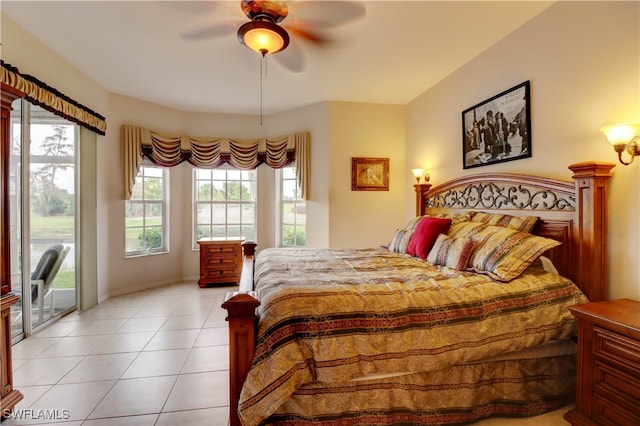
column 220, row 261
column 608, row 386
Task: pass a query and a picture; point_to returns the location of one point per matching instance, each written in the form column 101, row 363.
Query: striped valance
column 169, row 150
column 50, row 99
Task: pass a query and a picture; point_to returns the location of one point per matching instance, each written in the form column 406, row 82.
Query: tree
column 47, row 198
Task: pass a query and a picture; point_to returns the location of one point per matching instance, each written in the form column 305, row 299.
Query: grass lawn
column 65, row 279
column 56, row 227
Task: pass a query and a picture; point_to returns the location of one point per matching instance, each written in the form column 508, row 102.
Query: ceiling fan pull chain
column 262, row 60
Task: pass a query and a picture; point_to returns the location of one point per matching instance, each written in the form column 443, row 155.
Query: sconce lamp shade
column 418, row 173
column 622, row 136
column 263, row 36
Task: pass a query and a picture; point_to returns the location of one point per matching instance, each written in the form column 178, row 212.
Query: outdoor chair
column 42, row 279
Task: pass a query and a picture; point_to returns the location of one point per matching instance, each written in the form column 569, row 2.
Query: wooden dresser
column 608, row 386
column 220, row 261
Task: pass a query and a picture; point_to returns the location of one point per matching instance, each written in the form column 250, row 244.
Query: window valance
column 169, row 150
column 50, row 99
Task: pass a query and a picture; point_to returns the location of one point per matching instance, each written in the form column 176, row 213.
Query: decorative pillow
column 465, row 229
column 455, row 218
column 413, row 223
column 504, row 253
column 451, row 252
column 519, row 223
column 400, row 241
column 461, row 217
column 425, row 235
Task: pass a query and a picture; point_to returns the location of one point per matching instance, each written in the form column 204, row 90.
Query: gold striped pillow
column 504, row 253
column 451, row 252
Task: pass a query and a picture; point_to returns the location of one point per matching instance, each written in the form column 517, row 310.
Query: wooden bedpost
column 421, row 197
column 591, row 181
column 241, row 314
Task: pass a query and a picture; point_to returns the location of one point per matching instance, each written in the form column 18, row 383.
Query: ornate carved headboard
column 574, row 213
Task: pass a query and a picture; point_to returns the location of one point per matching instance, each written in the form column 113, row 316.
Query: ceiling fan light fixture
column 263, row 37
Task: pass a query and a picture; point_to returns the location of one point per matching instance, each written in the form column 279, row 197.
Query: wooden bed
column 574, row 213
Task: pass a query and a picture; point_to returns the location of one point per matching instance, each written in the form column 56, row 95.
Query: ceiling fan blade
column 325, row 14
column 209, row 31
column 314, row 37
column 292, row 58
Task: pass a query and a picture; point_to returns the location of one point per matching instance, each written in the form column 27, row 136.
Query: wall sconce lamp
column 623, row 138
column 418, row 173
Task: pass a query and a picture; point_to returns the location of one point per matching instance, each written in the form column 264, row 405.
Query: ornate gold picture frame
column 369, row 174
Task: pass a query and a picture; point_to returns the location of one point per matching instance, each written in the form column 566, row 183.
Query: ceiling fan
column 266, row 33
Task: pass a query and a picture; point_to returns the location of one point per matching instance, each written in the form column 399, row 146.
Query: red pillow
column 426, row 234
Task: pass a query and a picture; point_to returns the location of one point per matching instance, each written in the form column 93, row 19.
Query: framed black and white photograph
column 498, row 129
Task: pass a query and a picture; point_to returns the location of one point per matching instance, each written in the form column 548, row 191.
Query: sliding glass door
column 43, row 216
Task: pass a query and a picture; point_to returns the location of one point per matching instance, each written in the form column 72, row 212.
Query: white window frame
column 252, row 180
column 163, row 202
column 281, row 202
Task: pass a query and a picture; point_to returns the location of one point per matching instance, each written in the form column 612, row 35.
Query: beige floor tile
column 97, row 326
column 157, row 363
column 44, row 371
column 41, row 421
column 100, row 367
column 142, row 420
column 58, row 329
column 183, row 322
column 72, row 401
column 162, row 310
column 105, row 312
column 210, row 417
column 217, row 318
column 200, row 307
column 199, row 390
column 30, row 394
column 208, row 358
column 141, row 324
column 17, row 363
column 213, row 337
column 74, row 346
column 132, row 397
column 125, row 342
column 172, row 339
column 32, row 347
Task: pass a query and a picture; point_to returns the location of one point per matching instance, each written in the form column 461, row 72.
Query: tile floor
column 155, row 357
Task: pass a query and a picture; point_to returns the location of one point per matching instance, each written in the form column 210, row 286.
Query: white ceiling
column 390, row 54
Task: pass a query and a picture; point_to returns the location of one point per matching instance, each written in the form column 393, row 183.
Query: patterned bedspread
column 331, row 316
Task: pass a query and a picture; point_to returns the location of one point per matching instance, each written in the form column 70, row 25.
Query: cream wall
column 365, row 218
column 583, row 61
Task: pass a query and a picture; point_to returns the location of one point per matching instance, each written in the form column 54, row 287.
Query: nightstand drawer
column 221, row 261
column 608, row 412
column 617, row 350
column 221, row 250
column 609, row 380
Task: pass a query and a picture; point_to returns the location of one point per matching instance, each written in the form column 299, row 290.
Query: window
column 293, row 210
column 225, row 203
column 146, row 211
